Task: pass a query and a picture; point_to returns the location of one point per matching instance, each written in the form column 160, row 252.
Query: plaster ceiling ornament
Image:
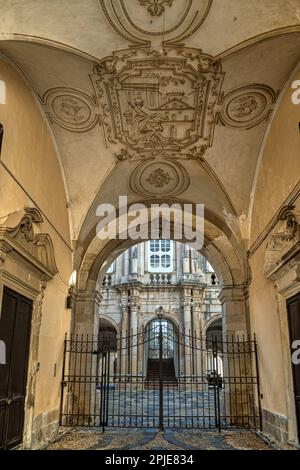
column 71, row 109
column 284, row 240
column 159, row 177
column 248, row 106
column 155, row 22
column 156, row 7
column 163, row 100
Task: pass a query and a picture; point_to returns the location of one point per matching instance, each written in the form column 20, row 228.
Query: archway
column 161, row 346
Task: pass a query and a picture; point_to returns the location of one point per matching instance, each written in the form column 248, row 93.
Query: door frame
column 286, row 289
column 27, row 263
column 297, row 418
column 35, row 297
column 17, row 295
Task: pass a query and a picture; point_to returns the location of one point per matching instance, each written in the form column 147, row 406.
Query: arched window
column 168, row 338
column 160, row 256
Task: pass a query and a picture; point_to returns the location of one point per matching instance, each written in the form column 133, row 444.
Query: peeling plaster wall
column 29, row 164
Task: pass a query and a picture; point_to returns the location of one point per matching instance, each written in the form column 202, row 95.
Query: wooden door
column 293, row 306
column 15, row 324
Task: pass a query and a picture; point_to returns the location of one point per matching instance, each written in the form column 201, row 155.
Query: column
column 134, row 314
column 86, row 307
column 124, row 336
column 186, row 260
column 234, row 302
column 187, row 330
column 197, row 339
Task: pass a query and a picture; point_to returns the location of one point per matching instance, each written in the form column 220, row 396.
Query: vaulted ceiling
column 167, row 99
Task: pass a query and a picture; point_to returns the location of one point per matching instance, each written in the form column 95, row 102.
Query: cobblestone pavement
column 136, row 408
column 151, row 439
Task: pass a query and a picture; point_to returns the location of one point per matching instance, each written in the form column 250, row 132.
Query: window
column 111, row 269
column 160, row 256
column 2, row 92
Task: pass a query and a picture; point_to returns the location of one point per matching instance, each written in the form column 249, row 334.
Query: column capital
column 135, row 303
column 233, row 293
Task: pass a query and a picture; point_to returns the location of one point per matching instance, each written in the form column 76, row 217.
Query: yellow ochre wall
column 277, row 178
column 30, row 156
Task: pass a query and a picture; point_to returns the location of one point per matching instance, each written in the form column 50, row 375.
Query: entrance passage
column 160, row 379
column 165, row 364
column 15, row 323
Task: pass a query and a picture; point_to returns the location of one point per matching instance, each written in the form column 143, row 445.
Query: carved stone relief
column 164, row 101
column 284, row 241
column 71, row 109
column 158, row 99
column 247, row 107
column 156, row 177
column 18, row 238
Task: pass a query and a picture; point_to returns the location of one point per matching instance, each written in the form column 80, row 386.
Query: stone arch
column 166, row 317
column 223, row 248
column 210, row 322
column 107, row 331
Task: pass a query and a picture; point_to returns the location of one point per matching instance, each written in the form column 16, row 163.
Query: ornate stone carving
column 71, row 109
column 18, row 238
column 157, row 177
column 165, row 26
column 158, row 102
column 158, row 99
column 284, row 240
column 247, row 107
column 156, row 7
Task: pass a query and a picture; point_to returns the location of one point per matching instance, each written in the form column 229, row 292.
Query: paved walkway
column 151, row 439
column 182, row 408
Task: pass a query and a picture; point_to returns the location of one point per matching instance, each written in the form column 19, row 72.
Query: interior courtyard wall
column 30, row 176
column 277, row 185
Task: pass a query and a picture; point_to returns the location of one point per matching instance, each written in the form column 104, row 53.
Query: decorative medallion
column 248, row 106
column 159, row 177
column 156, row 7
column 158, row 22
column 71, row 109
column 162, row 100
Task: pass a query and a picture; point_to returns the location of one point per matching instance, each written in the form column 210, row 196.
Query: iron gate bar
column 114, row 383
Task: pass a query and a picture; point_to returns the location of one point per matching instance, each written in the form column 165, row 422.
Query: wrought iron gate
column 160, row 378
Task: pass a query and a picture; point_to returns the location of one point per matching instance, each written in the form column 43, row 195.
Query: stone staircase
column 168, row 373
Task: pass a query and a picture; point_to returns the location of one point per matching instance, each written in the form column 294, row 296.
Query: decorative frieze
column 19, row 240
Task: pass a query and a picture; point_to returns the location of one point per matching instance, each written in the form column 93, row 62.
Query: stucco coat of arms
column 155, row 98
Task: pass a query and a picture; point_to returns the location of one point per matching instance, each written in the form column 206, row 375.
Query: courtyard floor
column 151, row 439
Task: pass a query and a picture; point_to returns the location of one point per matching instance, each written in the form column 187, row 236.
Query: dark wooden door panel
column 15, row 323
column 294, row 327
column 15, row 424
column 20, row 342
column 7, row 321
